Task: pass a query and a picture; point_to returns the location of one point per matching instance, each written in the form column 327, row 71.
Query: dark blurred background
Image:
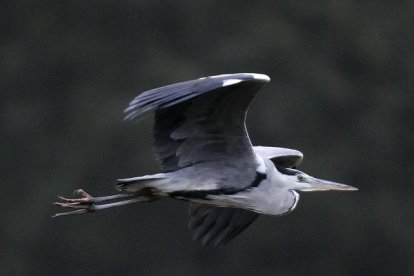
column 341, row 92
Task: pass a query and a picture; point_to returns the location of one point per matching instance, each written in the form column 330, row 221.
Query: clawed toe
column 82, row 193
column 76, row 212
column 75, row 205
column 84, row 204
column 82, row 200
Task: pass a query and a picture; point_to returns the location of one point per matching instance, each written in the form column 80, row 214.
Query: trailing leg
column 87, row 203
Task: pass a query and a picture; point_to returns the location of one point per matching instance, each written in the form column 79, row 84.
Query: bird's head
column 300, row 181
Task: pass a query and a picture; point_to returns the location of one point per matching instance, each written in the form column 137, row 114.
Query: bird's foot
column 83, row 204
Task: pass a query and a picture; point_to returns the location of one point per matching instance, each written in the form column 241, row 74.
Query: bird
column 207, row 159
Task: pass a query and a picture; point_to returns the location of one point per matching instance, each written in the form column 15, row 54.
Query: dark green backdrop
column 341, row 92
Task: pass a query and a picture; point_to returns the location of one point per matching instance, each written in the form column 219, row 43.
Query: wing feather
column 217, row 226
column 201, row 120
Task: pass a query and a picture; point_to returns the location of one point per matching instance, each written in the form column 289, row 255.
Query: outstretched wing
column 217, row 226
column 201, row 120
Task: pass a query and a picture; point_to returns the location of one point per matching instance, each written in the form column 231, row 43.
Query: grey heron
column 207, row 159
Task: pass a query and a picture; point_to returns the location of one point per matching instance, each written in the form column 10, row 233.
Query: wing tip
column 239, row 77
column 261, row 77
column 236, row 78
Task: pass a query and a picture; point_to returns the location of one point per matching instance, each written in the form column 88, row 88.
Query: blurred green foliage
column 341, row 92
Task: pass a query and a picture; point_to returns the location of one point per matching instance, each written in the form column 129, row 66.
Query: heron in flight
column 207, row 159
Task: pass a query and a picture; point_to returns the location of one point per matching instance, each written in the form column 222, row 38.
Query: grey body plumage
column 206, row 157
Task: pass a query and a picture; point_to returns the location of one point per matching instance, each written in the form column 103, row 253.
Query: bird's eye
column 301, row 178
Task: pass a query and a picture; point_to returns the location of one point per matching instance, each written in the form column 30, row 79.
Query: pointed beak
column 316, row 184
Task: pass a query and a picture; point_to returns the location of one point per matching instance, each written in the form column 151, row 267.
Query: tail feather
column 136, row 184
